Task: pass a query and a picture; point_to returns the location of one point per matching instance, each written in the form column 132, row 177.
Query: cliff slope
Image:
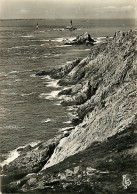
column 105, row 91
column 95, row 155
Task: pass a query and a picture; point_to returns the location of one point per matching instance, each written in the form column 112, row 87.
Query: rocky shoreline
column 94, row 155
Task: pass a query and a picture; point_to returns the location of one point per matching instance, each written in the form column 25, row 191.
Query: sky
column 65, row 9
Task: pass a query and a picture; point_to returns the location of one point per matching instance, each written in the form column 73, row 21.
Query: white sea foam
column 30, row 174
column 67, row 87
column 62, row 39
column 42, row 40
column 61, row 29
column 46, row 77
column 8, row 93
column 62, row 46
column 70, row 108
column 68, row 62
column 49, row 96
column 34, row 45
column 57, row 40
column 28, row 36
column 57, row 104
column 58, row 29
column 31, row 45
column 77, row 50
column 18, row 47
column 71, row 38
column 97, row 42
column 74, row 114
column 17, row 80
column 13, row 72
column 53, row 84
column 15, row 153
column 33, row 144
column 67, row 122
column 100, row 39
column 3, row 74
column 65, row 129
column 12, row 156
column 28, row 94
column 42, row 31
column 87, row 49
column 57, row 55
column 33, row 75
column 34, row 57
column 46, row 121
column 54, row 29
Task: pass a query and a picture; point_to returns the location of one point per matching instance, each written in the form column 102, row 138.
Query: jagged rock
column 76, row 120
column 78, row 97
column 26, row 149
column 84, row 38
column 65, row 92
column 32, row 160
column 42, row 73
column 62, row 71
column 68, row 172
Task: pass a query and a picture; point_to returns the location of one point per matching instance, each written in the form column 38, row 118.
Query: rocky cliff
column 95, row 155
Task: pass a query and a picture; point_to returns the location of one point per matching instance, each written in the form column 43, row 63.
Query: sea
column 30, row 109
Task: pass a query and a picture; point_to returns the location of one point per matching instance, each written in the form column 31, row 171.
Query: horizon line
column 64, row 18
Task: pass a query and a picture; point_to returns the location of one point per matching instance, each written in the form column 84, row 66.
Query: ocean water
column 30, row 109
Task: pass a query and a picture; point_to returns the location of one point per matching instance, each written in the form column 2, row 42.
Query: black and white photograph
column 68, row 96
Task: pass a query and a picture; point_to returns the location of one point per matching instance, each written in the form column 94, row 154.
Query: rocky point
column 99, row 154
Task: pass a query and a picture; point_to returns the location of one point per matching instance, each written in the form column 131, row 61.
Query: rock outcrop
column 32, row 159
column 84, row 38
column 98, row 169
column 106, row 95
column 101, row 149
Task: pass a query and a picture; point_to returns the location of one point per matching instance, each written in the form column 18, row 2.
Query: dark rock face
column 61, row 72
column 32, row 159
column 106, row 94
column 98, row 169
column 84, row 38
column 100, row 151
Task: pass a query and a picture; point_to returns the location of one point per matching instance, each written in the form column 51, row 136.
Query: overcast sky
column 26, row 9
